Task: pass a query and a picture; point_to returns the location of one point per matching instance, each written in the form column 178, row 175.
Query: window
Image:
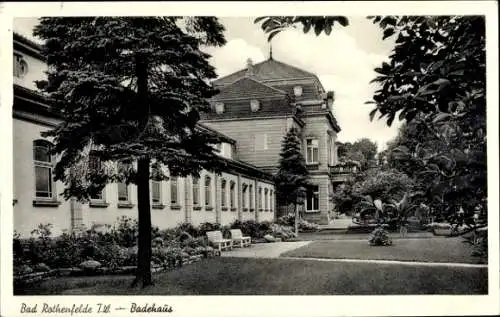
column 271, row 200
column 196, row 191
column 266, row 202
column 232, row 194
column 250, row 194
column 122, row 192
column 173, row 190
column 20, row 66
column 43, row 169
column 219, row 107
column 156, row 185
column 312, row 146
column 95, row 166
column 156, row 192
column 244, row 196
column 254, row 105
column 312, row 200
column 123, row 195
column 260, row 198
column 297, row 91
column 208, row 191
column 223, row 193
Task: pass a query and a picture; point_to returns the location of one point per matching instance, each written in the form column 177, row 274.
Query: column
column 76, row 215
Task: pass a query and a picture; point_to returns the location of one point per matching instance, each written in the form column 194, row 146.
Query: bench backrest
column 236, row 234
column 214, row 235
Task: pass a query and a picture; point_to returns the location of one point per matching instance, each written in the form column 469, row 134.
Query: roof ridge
column 242, row 70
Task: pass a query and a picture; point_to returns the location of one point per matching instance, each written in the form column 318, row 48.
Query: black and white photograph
column 178, row 154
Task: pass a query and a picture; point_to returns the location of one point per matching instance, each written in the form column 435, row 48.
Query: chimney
column 330, row 98
column 249, row 67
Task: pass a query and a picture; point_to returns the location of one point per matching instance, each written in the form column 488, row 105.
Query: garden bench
column 237, row 236
column 215, row 237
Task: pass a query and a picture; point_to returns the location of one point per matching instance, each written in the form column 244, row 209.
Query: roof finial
column 271, row 50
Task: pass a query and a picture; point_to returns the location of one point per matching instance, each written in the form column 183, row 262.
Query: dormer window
column 219, row 107
column 20, row 66
column 254, row 105
column 297, row 91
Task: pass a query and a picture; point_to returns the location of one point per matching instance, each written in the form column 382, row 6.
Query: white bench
column 215, row 237
column 238, row 238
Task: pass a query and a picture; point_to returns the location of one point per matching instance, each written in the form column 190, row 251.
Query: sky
column 343, row 61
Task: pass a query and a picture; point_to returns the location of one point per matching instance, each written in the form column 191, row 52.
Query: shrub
column 207, row 226
column 187, row 227
column 125, row 233
column 305, row 225
column 286, row 220
column 380, row 237
column 283, row 232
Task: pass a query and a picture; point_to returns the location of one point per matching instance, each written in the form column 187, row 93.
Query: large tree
column 292, row 177
column 436, row 81
column 436, row 75
column 129, row 90
column 363, row 151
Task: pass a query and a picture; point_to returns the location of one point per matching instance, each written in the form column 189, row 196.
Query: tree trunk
column 143, row 273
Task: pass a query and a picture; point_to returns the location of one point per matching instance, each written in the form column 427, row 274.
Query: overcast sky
column 343, row 61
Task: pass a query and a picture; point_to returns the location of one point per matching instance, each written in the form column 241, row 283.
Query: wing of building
column 242, row 192
column 252, row 113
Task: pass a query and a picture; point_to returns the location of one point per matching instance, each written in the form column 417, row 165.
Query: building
column 257, row 105
column 243, row 191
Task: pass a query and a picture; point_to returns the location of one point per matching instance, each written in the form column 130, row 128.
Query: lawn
column 424, row 250
column 242, row 276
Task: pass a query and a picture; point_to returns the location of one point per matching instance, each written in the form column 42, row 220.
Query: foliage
column 292, row 176
column 285, row 233
column 362, row 151
column 93, row 84
column 436, row 81
column 380, row 237
column 129, row 89
column 274, row 25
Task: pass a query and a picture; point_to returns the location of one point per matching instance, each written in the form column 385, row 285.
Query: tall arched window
column 43, row 161
column 95, row 165
column 251, row 199
column 266, row 202
column 223, row 193
column 232, row 195
column 123, row 194
column 196, row 191
column 174, row 191
column 260, row 198
column 244, row 201
column 208, row 191
column 271, row 199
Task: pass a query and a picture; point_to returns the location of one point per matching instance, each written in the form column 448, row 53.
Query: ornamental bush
column 380, row 237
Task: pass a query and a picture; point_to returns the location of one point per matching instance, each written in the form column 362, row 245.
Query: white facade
column 31, row 210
